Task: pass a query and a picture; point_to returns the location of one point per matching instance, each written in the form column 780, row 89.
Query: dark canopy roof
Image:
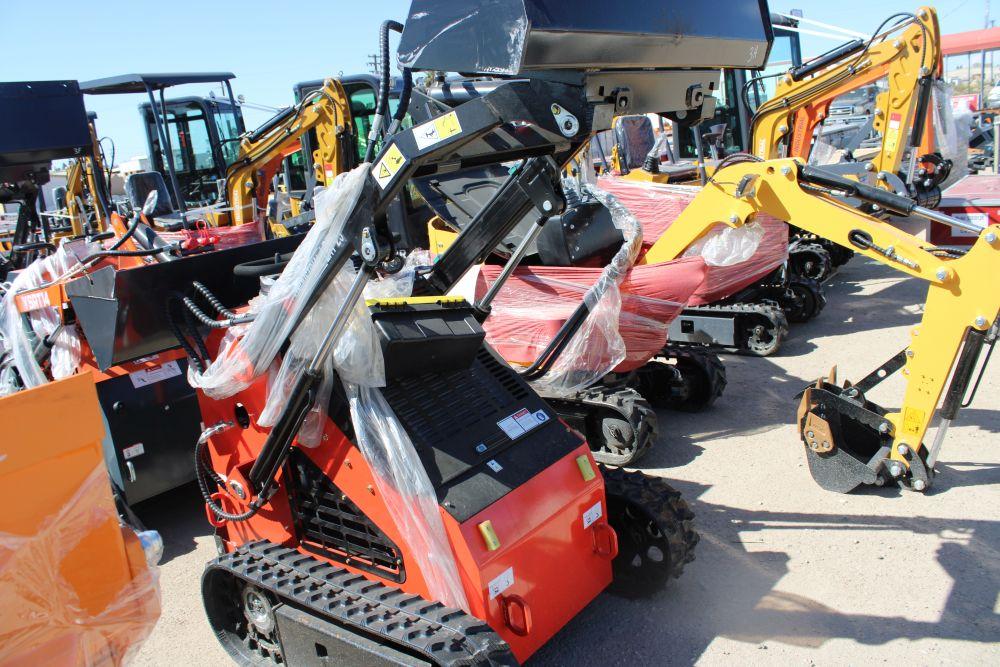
column 136, row 83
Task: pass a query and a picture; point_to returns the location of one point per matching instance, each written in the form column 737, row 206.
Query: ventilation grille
column 330, row 525
column 435, row 407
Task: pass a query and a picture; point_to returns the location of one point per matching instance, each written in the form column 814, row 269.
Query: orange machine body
column 553, row 547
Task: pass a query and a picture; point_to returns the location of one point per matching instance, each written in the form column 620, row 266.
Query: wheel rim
column 762, row 338
column 643, row 550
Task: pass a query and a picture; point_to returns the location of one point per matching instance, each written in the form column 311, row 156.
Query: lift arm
column 962, row 298
column 784, row 125
column 326, row 110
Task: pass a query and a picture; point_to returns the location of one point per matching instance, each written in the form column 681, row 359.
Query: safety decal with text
column 385, row 169
column 592, row 515
column 144, row 378
column 437, row 130
column 521, row 422
column 892, row 134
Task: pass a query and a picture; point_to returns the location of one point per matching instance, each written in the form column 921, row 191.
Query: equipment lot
column 785, row 572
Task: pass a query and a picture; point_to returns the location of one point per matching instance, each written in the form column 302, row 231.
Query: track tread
column 672, row 514
column 631, row 406
column 444, row 635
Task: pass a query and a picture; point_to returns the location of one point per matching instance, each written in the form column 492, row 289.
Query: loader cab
column 729, row 130
column 200, row 135
column 203, row 135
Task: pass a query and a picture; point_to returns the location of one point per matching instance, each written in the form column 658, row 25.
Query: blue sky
column 272, row 45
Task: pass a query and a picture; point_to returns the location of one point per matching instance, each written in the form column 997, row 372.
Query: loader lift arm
column 849, row 440
column 784, row 125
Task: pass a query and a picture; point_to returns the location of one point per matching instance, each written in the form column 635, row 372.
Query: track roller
column 655, row 534
column 804, row 300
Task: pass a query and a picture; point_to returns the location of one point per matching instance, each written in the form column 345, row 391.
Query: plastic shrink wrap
column 75, row 585
column 735, row 257
column 631, row 308
column 249, row 353
column 19, row 343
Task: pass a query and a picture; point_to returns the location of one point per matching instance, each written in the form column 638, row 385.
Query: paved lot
column 785, row 573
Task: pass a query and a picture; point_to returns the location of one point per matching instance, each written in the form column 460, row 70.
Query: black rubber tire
column 701, row 371
column 656, row 538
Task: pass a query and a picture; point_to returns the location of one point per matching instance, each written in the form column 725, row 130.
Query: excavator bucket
column 75, row 586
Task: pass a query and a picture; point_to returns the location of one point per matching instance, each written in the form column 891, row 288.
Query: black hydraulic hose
column 214, row 302
column 383, row 93
column 204, row 473
column 129, row 233
column 404, row 101
column 175, row 329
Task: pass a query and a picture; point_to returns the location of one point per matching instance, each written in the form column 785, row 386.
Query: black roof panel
column 137, row 83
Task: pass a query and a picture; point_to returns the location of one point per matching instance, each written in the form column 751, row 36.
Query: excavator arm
column 908, row 55
column 86, row 175
column 327, row 110
column 850, row 440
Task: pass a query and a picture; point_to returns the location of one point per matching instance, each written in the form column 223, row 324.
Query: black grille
column 437, row 407
column 330, row 525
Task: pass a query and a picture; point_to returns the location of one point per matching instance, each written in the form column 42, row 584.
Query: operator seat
column 634, row 139
column 137, row 188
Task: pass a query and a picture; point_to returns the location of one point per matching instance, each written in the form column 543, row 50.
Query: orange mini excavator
column 396, row 493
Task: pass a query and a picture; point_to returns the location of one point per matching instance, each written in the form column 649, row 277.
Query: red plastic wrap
column 536, row 300
column 656, row 206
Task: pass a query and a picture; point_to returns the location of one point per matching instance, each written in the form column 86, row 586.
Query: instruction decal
column 135, row 450
column 501, row 583
column 437, row 130
column 385, row 169
column 592, row 515
column 892, row 135
column 521, row 422
column 144, row 378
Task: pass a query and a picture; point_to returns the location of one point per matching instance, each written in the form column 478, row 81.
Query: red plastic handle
column 605, row 541
column 519, row 627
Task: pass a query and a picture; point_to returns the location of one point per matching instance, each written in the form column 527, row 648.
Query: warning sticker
column 892, row 134
column 895, row 120
column 504, row 581
column 144, row 378
column 386, row 168
column 437, row 130
column 494, row 466
column 521, row 422
column 135, row 450
column 592, row 515
column 913, row 420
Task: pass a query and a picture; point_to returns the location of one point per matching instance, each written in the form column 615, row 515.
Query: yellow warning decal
column 386, row 168
column 437, row 130
column 913, row 421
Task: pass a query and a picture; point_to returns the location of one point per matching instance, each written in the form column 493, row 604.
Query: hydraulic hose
column 143, row 252
column 383, row 93
column 129, row 233
column 404, row 102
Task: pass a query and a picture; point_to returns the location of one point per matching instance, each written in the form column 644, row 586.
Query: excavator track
column 761, row 328
column 693, row 382
column 656, row 538
column 804, row 301
column 618, row 422
column 405, row 628
column 810, row 260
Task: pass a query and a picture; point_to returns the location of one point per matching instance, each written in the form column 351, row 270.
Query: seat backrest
column 634, row 137
column 140, row 184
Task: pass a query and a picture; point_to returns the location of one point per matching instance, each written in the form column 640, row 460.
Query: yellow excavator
column 908, row 56
column 850, row 440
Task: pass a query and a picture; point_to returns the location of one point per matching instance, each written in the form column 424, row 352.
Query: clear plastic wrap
column 597, row 347
column 76, row 590
column 357, row 360
column 18, row 342
column 244, row 359
column 952, row 131
column 409, row 496
column 656, row 206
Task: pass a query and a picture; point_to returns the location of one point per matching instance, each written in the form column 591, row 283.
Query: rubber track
column 820, row 252
column 443, row 635
column 632, row 408
column 705, row 358
column 663, row 502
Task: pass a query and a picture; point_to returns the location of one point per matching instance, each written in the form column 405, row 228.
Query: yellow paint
column 587, row 470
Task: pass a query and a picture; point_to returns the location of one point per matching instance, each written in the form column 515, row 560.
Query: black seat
column 140, row 184
column 634, row 138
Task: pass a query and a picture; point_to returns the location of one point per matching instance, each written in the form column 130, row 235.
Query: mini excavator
column 318, row 560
